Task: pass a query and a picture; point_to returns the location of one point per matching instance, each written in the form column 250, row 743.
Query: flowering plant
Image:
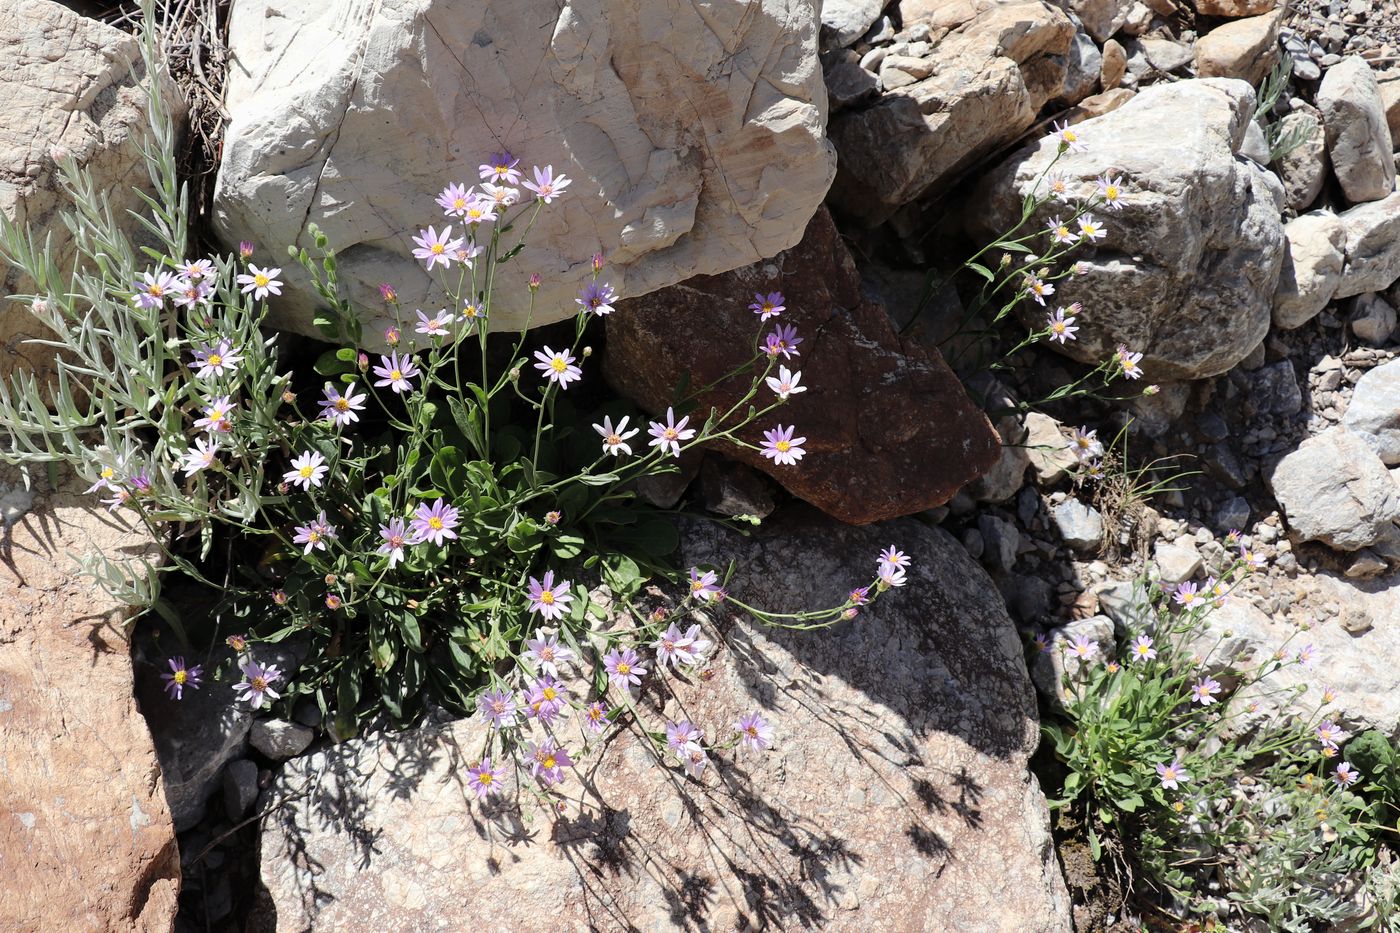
column 436, row 521
column 1185, row 759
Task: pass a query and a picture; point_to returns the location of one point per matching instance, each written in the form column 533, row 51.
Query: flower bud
column 597, row 262
column 1152, row 390
column 515, row 374
column 330, row 579
column 587, row 352
column 245, row 250
column 279, row 597
column 283, row 489
column 553, row 517
column 332, row 601
column 363, row 362
column 238, row 642
column 386, row 291
column 392, row 336
column 288, row 396
column 412, row 604
column 534, row 281
column 60, row 153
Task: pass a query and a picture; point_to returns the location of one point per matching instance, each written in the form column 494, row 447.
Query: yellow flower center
column 469, row 311
column 783, row 446
column 1071, row 136
column 259, row 684
column 396, row 540
column 181, row 677
column 1111, row 193
column 459, row 203
column 558, row 364
column 435, row 523
column 550, row 693
column 215, row 359
column 486, row 777
column 261, row 280
column 306, row 471
column 313, row 536
column 623, row 667
column 751, row 731
column 437, row 249
column 342, row 404
column 672, row 434
column 547, row 597
column 395, row 375
column 550, row 762
column 614, row 440
column 108, row 473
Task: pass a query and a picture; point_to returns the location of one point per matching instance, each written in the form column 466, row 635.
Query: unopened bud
column 289, row 396
column 534, row 281
column 386, row 291
column 587, row 352
column 363, row 362
column 392, row 336
column 330, row 579
column 332, row 601
column 597, row 262
column 245, row 249
column 515, row 374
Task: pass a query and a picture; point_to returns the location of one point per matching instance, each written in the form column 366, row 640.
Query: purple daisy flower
column 342, row 409
column 682, row 738
column 256, row 686
column 557, row 367
column 1204, row 690
column 500, row 168
column 672, row 646
column 436, row 248
column 548, row 599
column 152, row 289
column 181, row 677
column 597, row 298
column 624, row 667
column 547, row 186
column 396, row 537
column 595, row 717
column 783, row 340
column 498, row 708
column 486, row 778
column 703, row 586
column 781, row 447
column 755, row 734
column 767, row 306
column 548, row 761
column 547, row 653
column 395, row 371
column 434, row 523
column 1173, row 775
column 668, row 436
column 545, row 699
column 314, row 535
column 215, row 360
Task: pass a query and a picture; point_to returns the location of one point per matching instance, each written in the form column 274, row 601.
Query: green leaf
column 443, row 468
column 982, row 271
column 412, row 634
column 597, row 479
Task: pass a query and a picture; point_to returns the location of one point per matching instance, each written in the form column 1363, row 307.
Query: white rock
column 1374, row 411
column 1080, row 525
column 67, row 82
column 1373, row 246
column 1176, row 563
column 999, row 64
column 693, row 135
column 1372, row 319
column 1313, row 259
column 1335, row 489
column 1196, row 247
column 1358, row 137
column 1050, row 454
column 1303, row 169
column 845, row 21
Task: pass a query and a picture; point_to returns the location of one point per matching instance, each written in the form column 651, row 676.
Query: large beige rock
column 693, row 135
column 1303, row 169
column 896, row 797
column 86, row 841
column 1373, row 246
column 1235, row 8
column 1242, row 48
column 1334, row 488
column 1314, row 254
column 993, row 71
column 1196, row 247
column 1358, row 136
column 71, row 82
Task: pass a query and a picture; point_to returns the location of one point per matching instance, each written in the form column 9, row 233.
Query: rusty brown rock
column 86, row 841
column 889, row 429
